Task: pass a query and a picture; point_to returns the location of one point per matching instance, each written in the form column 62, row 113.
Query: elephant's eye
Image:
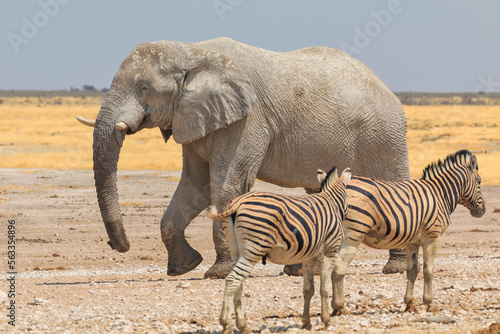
column 144, row 89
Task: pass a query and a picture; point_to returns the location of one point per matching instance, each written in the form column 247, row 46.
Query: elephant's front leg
column 188, row 201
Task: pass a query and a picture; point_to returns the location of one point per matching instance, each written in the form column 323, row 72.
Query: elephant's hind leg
column 396, row 262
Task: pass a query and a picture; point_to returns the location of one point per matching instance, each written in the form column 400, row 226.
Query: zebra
column 283, row 230
column 409, row 214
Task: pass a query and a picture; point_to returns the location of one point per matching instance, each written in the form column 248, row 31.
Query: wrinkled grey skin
column 243, row 113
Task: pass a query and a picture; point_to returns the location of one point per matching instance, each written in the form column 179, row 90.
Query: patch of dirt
column 69, row 279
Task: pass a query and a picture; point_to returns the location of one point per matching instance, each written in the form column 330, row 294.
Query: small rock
column 183, row 285
column 158, row 325
column 437, row 319
column 38, row 301
column 364, row 323
column 183, row 315
column 123, row 325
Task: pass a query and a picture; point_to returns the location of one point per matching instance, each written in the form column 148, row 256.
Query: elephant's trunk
column 107, row 144
column 107, row 196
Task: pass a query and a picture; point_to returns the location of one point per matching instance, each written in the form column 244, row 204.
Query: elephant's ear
column 215, row 93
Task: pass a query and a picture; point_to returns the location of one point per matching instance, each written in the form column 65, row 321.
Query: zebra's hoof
column 306, row 325
column 340, row 311
column 432, row 308
column 410, row 307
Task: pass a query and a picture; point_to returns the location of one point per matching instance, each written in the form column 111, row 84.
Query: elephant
column 242, row 113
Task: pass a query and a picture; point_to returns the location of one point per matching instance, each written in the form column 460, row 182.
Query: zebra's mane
column 440, row 167
column 329, row 178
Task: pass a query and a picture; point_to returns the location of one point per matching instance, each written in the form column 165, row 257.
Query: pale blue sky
column 419, row 45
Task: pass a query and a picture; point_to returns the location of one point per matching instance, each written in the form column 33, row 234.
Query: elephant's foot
column 182, row 258
column 293, row 269
column 220, row 269
column 296, row 269
column 396, row 263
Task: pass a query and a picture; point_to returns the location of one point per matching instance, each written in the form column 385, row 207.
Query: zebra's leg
column 241, row 321
column 429, row 251
column 411, row 275
column 327, row 264
column 340, row 264
column 234, row 282
column 308, row 292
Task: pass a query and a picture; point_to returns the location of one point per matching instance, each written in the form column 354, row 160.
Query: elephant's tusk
column 121, row 126
column 84, row 121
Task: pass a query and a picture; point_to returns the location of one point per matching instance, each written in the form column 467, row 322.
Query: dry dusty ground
column 69, row 280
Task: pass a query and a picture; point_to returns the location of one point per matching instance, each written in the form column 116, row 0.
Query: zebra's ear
column 321, row 175
column 473, row 163
column 346, row 175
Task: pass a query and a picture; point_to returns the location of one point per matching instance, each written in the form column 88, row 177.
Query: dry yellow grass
column 48, row 136
column 42, row 135
column 436, row 131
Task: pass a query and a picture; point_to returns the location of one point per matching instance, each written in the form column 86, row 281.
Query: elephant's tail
column 212, row 212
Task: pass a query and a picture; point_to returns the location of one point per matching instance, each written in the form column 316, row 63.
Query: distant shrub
column 89, row 88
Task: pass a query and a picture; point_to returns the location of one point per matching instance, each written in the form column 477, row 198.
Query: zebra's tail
column 228, row 227
column 212, row 212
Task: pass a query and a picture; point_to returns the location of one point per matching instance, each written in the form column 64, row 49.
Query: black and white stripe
column 389, row 215
column 284, row 230
column 413, row 213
